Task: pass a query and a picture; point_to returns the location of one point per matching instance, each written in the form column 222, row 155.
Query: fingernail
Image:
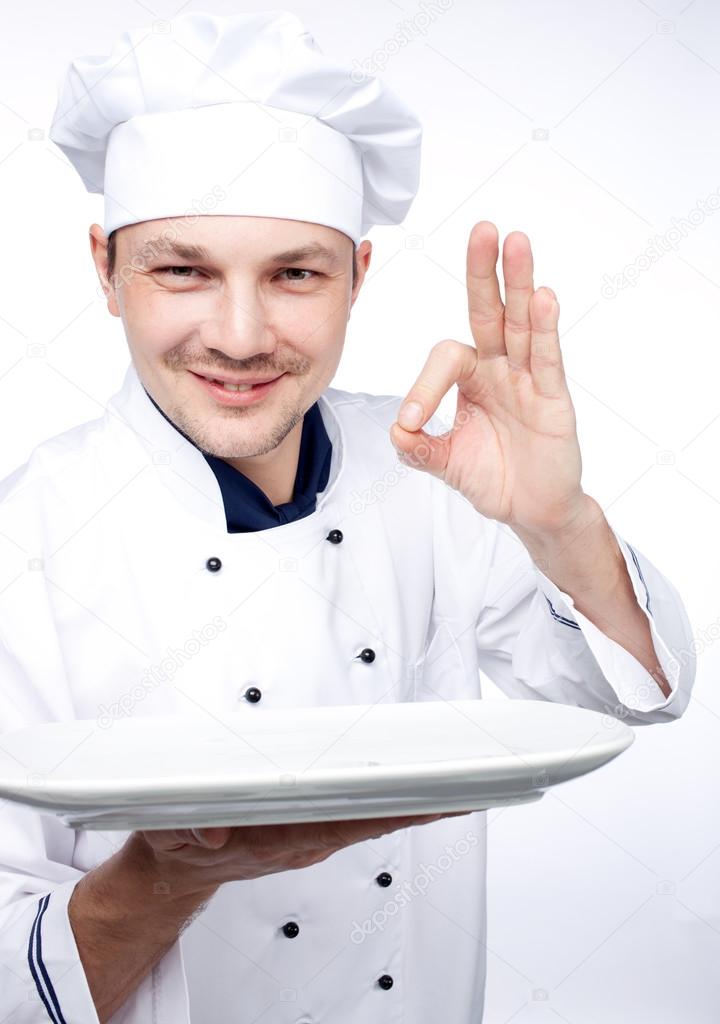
column 411, row 415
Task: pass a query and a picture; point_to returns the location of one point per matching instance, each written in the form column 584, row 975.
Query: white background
column 593, row 127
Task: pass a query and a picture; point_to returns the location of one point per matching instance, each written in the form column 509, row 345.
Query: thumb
column 212, row 838
column 421, row 450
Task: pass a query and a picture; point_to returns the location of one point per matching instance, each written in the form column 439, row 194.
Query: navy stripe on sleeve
column 637, row 566
column 35, row 962
column 561, row 618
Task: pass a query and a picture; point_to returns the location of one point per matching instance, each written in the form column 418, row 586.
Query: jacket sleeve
column 41, row 974
column 43, row 978
column 534, row 643
column 527, row 635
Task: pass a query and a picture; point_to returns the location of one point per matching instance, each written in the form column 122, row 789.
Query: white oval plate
column 303, row 764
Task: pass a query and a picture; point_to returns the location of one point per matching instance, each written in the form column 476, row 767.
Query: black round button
column 291, row 928
column 335, row 536
column 367, row 654
column 384, row 879
column 213, row 565
column 252, row 694
column 385, row 981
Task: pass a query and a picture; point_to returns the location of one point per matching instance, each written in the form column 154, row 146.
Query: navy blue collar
column 247, row 507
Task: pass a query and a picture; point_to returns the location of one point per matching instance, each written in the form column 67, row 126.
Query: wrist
column 583, row 557
column 582, row 526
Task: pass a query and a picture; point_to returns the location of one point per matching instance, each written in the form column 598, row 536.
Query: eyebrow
column 312, row 250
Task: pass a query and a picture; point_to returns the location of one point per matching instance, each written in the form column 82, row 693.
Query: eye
column 168, row 270
column 299, row 270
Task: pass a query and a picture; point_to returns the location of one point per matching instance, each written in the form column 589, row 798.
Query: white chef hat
column 236, row 115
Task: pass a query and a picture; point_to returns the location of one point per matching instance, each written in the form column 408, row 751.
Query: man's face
column 221, row 298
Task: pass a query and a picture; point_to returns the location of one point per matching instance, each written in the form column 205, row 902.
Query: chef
column 205, row 546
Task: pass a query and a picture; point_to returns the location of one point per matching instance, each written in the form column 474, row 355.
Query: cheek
column 315, row 327
column 153, row 320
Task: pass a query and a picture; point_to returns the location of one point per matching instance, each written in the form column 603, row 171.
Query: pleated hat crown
column 241, row 114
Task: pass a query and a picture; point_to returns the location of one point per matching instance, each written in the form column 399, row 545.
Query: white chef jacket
column 109, row 607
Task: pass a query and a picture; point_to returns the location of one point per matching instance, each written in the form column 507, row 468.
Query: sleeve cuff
column 54, row 964
column 58, row 989
column 633, row 684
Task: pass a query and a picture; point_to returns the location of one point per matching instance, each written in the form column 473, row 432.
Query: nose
column 237, row 325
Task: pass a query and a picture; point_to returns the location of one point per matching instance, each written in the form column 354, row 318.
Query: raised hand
column 513, row 450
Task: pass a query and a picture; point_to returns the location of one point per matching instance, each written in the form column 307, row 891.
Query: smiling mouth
column 228, row 385
column 227, row 393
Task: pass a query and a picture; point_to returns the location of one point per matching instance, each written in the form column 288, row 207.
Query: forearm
column 125, row 916
column 585, row 561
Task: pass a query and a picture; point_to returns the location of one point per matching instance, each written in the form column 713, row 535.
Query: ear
column 99, row 252
column 362, row 262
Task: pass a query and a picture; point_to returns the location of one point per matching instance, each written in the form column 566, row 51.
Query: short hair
column 111, row 254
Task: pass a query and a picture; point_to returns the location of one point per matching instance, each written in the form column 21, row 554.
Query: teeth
column 230, row 387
